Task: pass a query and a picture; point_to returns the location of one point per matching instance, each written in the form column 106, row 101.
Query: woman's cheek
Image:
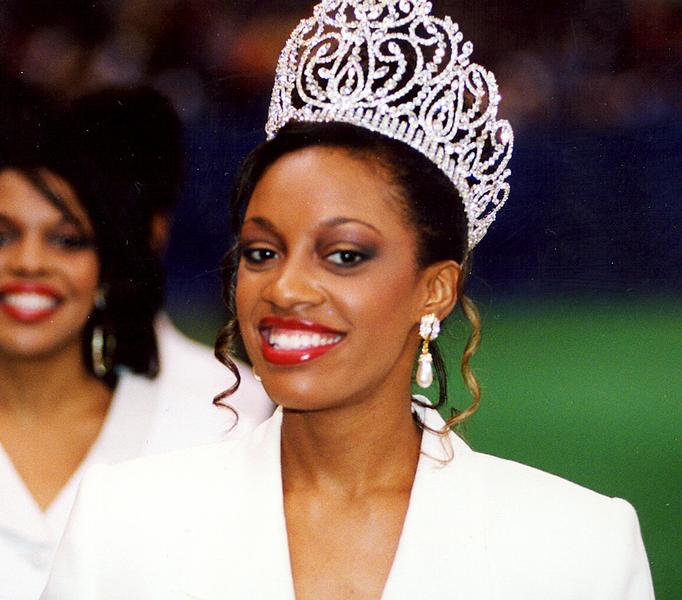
column 372, row 304
column 245, row 301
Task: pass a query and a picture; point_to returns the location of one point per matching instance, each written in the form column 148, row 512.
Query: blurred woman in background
column 90, row 370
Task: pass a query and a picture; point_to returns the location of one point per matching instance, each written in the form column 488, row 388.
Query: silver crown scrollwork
column 392, row 67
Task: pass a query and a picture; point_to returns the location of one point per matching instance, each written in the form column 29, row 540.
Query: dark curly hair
column 430, row 202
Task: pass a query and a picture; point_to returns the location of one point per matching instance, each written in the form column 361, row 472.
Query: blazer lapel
column 240, row 548
column 442, row 548
column 237, row 547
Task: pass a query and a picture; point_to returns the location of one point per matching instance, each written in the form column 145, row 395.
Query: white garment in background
column 191, row 373
column 146, row 416
column 208, row 524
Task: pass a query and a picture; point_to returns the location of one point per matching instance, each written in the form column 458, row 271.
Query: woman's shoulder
column 528, row 493
column 508, row 489
column 523, row 516
column 174, row 470
column 559, row 524
column 518, row 478
column 187, row 473
column 159, row 483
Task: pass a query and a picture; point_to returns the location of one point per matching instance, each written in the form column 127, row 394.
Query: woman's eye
column 347, row 258
column 71, row 242
column 6, row 237
column 258, row 256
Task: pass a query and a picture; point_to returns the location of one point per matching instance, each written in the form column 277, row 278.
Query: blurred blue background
column 578, row 280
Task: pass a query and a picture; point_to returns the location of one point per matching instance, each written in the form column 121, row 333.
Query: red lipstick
column 29, row 302
column 295, row 341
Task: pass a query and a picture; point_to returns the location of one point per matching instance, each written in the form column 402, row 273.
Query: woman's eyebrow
column 38, row 182
column 63, row 220
column 330, row 223
column 264, row 223
column 8, row 221
column 336, row 221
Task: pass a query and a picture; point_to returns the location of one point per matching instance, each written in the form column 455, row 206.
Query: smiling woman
column 385, row 166
column 325, row 258
column 401, row 198
column 49, row 277
column 49, row 270
column 327, row 227
column 60, row 371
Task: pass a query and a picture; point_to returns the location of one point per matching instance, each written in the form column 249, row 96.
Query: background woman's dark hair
column 431, row 205
column 120, row 150
column 124, row 159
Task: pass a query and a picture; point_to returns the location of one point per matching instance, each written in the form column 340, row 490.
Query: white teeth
column 298, row 340
column 30, row 301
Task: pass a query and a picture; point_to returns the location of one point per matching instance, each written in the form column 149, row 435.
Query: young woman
column 80, row 289
column 385, row 166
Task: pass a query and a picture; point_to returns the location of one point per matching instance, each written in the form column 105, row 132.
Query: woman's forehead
column 325, row 183
column 16, row 185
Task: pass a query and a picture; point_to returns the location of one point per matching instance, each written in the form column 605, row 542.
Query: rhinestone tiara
column 391, row 67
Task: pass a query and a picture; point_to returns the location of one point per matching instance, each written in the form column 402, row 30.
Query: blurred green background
column 591, row 391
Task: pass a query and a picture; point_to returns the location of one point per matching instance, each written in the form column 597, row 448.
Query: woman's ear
column 440, row 283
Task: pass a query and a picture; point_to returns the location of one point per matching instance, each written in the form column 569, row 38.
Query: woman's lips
column 295, row 341
column 28, row 303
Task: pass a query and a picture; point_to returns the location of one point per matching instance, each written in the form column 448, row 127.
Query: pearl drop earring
column 429, row 329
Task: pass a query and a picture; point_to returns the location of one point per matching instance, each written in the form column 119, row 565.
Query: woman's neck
column 51, row 412
column 31, row 388
column 351, row 450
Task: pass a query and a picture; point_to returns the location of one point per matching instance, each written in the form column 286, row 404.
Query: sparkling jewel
column 429, row 327
column 392, row 67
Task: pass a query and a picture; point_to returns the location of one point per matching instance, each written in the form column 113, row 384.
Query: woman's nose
column 28, row 256
column 293, row 284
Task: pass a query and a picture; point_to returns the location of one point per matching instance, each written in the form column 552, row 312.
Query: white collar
column 123, row 435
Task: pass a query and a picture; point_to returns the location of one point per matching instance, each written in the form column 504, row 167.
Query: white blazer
column 208, row 524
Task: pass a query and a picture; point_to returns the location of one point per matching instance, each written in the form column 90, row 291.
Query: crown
column 391, row 67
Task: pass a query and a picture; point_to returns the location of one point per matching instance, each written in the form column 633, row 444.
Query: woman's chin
column 36, row 345
column 304, row 394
